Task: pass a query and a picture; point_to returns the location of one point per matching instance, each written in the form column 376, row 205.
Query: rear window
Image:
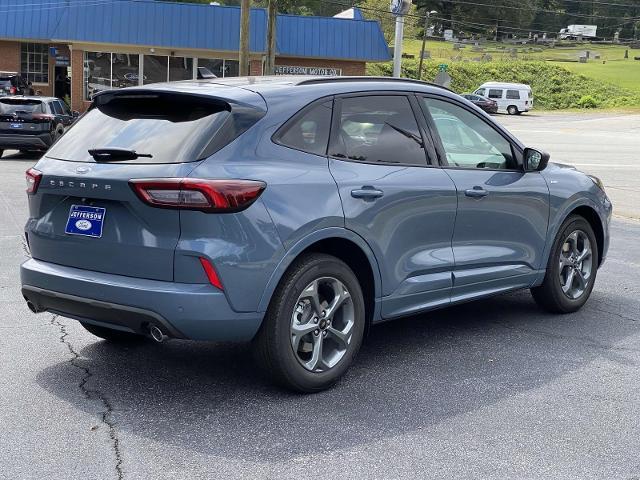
column 170, row 127
column 9, row 106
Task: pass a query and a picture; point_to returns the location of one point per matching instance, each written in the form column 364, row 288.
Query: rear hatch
column 23, row 116
column 85, row 213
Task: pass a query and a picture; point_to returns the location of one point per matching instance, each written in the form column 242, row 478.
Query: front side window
column 513, row 94
column 34, row 62
column 467, row 140
column 309, row 132
column 480, row 91
column 55, row 108
column 494, row 93
column 378, row 129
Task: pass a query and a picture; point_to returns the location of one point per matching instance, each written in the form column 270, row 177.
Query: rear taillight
column 222, row 196
column 42, row 116
column 33, row 178
column 13, row 90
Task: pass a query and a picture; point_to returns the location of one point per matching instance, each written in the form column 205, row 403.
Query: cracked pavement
column 490, row 390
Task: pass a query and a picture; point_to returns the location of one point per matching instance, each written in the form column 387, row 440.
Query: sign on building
column 314, row 71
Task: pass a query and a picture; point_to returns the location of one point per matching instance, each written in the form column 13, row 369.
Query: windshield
column 9, row 106
column 165, row 128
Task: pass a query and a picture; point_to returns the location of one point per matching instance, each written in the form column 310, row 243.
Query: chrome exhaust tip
column 156, row 334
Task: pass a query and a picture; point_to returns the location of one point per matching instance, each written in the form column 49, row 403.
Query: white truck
column 573, row 31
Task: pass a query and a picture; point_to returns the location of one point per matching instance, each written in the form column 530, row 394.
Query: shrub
column 587, row 101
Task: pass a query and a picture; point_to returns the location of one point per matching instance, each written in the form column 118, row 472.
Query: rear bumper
column 17, row 141
column 181, row 310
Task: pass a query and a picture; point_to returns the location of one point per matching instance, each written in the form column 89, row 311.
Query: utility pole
column 399, row 8
column 272, row 12
column 243, row 57
column 424, row 41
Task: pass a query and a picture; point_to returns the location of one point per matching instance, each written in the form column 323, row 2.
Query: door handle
column 367, row 193
column 476, row 192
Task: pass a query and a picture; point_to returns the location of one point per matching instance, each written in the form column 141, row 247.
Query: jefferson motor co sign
column 321, row 71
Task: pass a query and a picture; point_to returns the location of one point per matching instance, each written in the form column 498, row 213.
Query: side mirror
column 535, row 160
column 75, row 114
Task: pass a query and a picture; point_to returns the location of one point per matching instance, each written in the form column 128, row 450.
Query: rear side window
column 495, row 93
column 513, row 94
column 309, row 130
column 55, row 108
column 9, row 106
column 169, row 127
column 378, row 129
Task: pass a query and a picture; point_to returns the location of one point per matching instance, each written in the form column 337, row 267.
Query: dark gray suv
column 296, row 212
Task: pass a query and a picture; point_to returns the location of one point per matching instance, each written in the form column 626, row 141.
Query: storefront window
column 155, row 69
column 220, row 68
column 180, row 68
column 97, row 73
column 34, row 62
column 125, row 69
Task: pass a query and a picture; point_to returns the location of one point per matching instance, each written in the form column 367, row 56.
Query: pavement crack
column 92, row 394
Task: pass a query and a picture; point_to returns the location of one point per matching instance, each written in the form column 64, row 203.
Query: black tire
column 111, row 335
column 512, row 110
column 1, row 153
column 273, row 347
column 550, row 295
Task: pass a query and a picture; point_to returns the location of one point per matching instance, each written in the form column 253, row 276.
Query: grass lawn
column 615, row 70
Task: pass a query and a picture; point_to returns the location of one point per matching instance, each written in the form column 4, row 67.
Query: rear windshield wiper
column 407, row 134
column 116, row 154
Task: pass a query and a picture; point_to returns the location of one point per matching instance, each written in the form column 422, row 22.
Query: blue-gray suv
column 296, row 212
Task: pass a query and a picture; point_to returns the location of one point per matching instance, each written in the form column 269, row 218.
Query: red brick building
column 73, row 51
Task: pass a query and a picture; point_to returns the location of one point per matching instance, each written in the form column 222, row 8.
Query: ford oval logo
column 83, row 170
column 83, row 225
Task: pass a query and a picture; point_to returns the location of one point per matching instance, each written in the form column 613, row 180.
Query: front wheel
column 314, row 326
column 571, row 270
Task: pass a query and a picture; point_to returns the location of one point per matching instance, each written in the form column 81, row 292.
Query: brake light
column 33, row 178
column 13, row 90
column 212, row 275
column 222, row 196
column 42, row 116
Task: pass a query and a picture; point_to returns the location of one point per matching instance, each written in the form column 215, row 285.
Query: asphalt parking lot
column 496, row 389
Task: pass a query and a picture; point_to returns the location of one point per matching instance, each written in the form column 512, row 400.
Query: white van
column 513, row 98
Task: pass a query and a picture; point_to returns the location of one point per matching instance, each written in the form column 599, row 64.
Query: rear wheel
column 314, row 326
column 512, row 110
column 112, row 335
column 571, row 270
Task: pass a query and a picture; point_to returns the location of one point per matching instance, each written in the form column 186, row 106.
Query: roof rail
column 317, row 80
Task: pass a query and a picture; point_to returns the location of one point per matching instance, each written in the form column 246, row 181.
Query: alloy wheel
column 576, row 264
column 322, row 324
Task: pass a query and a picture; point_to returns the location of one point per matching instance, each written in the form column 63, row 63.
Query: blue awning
column 189, row 26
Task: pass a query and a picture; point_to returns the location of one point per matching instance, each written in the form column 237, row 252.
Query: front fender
column 306, row 242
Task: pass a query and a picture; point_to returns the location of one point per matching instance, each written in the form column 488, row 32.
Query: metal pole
column 397, row 46
column 424, row 40
column 243, row 57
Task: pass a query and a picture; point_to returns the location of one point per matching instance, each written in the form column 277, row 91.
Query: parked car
column 32, row 123
column 296, row 212
column 12, row 83
column 486, row 104
column 512, row 98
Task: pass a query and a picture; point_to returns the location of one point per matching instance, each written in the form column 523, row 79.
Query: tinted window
column 493, row 93
column 65, row 108
column 15, row 105
column 55, row 108
column 467, row 140
column 378, row 129
column 309, row 131
column 513, row 94
column 172, row 128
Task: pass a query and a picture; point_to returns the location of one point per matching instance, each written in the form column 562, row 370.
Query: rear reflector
column 221, row 196
column 212, row 275
column 33, row 178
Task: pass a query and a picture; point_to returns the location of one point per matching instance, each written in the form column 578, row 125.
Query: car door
column 65, row 114
column 503, row 211
column 401, row 204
